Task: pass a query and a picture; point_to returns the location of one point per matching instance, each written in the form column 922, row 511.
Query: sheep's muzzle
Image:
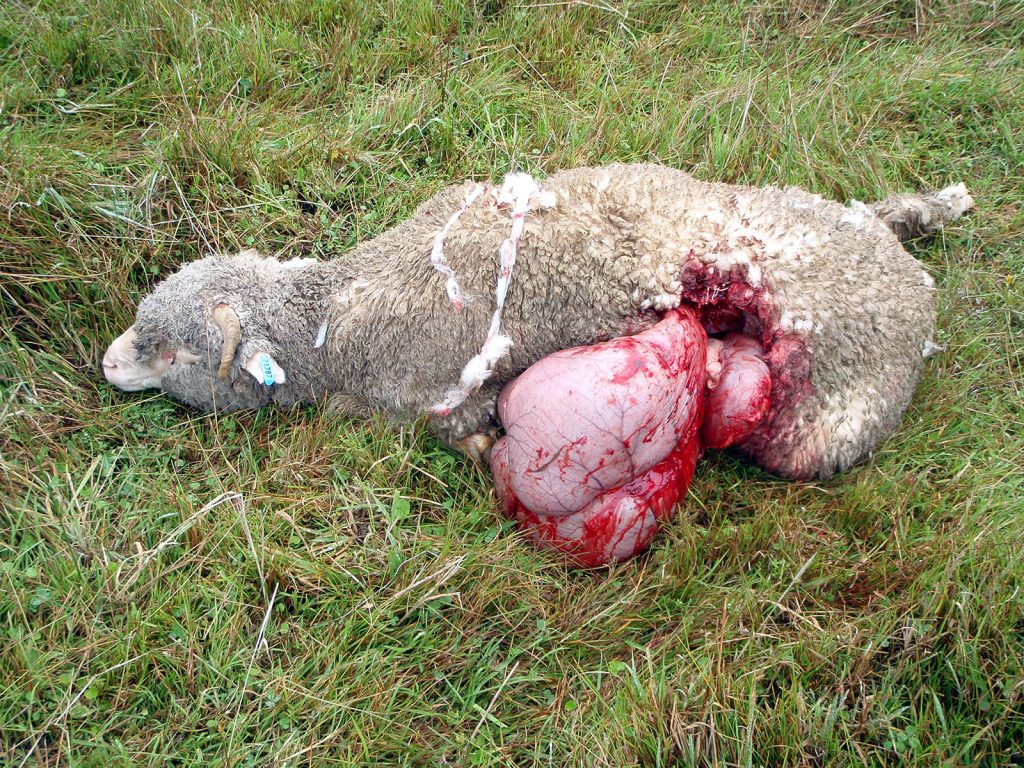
column 124, row 369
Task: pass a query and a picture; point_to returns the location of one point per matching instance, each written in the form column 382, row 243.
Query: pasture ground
column 291, row 588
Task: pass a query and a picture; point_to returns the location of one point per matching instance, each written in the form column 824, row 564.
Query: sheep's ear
column 265, row 369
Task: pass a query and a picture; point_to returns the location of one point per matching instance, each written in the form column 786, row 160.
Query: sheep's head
column 201, row 336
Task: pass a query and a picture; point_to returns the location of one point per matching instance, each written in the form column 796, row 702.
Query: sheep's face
column 196, row 337
column 127, row 369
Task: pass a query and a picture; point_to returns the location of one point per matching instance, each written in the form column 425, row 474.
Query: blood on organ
column 741, row 395
column 601, row 441
column 616, row 525
column 586, row 420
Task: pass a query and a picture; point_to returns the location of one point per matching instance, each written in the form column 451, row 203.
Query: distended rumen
column 601, row 441
column 650, row 316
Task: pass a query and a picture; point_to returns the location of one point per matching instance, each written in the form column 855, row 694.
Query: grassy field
column 291, row 588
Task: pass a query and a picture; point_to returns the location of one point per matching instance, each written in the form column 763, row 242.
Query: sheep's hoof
column 477, row 447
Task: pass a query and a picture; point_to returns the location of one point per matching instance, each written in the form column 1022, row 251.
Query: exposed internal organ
column 739, row 390
column 601, row 441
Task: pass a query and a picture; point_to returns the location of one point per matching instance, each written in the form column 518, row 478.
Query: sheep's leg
column 472, row 428
column 918, row 215
column 476, row 447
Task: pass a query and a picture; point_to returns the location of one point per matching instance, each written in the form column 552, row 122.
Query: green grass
column 290, row 588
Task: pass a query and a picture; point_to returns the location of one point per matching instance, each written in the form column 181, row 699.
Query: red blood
column 618, row 524
column 667, row 483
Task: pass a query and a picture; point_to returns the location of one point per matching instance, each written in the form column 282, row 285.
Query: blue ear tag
column 268, row 370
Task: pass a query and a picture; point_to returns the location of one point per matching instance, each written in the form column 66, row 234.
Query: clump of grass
column 292, row 588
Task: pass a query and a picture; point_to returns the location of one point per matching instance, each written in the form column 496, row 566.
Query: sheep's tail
column 917, row 215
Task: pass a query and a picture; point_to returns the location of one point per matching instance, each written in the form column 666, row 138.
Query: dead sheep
column 438, row 314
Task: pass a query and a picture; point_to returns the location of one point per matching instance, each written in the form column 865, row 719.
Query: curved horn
column 224, row 317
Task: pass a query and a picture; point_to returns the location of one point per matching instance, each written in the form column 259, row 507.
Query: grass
column 291, row 588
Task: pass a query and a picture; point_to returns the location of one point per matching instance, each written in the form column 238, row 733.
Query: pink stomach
column 601, row 441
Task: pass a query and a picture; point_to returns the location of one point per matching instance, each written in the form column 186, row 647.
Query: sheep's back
column 840, row 307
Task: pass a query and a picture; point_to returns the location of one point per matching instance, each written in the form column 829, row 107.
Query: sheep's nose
column 111, row 371
column 118, row 354
column 121, row 367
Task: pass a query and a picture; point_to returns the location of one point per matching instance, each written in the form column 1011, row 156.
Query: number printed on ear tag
column 268, row 370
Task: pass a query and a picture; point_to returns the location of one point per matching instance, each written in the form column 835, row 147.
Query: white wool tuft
column 521, row 193
column 515, row 186
column 857, row 214
column 958, row 197
column 437, row 257
column 321, row 336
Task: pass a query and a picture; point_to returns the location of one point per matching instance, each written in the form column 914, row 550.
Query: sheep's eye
column 179, row 357
column 185, row 357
